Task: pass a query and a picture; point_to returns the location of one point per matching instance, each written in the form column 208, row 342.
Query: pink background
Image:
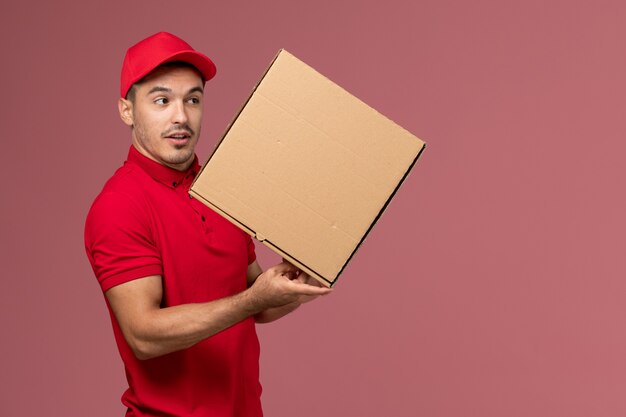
column 494, row 285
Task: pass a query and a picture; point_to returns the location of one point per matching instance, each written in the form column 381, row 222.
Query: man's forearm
column 153, row 331
column 166, row 330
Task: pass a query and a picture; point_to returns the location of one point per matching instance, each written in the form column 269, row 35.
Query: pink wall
column 494, row 285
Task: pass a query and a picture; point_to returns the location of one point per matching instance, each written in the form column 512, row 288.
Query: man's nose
column 180, row 113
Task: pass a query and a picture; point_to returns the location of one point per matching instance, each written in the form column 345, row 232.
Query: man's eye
column 194, row 100
column 161, row 100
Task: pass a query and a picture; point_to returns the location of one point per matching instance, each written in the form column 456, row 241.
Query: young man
column 182, row 284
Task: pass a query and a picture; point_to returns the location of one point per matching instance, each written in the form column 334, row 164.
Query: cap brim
column 202, row 62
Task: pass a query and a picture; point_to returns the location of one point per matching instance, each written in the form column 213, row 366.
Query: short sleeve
column 119, row 241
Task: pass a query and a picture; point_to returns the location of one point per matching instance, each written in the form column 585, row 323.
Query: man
column 182, row 284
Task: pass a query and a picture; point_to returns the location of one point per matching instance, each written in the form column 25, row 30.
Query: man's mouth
column 178, row 137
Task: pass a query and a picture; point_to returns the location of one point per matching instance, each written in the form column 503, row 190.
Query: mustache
column 178, row 128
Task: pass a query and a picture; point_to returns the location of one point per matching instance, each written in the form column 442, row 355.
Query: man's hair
column 132, row 91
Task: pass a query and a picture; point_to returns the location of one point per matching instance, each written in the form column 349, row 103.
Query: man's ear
column 125, row 107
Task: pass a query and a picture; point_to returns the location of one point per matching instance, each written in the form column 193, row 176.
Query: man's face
column 166, row 115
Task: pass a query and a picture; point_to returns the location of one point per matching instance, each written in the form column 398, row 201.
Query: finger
column 286, row 261
column 284, row 267
column 308, row 279
column 291, row 271
column 307, row 289
column 292, row 275
column 312, row 281
column 303, row 278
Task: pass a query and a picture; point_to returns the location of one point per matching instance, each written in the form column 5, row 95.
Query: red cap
column 158, row 49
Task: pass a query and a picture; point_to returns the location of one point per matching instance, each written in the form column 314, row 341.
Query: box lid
column 306, row 168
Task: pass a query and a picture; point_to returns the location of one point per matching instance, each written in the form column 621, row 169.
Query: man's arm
column 153, row 331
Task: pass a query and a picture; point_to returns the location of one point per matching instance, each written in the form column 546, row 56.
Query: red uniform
column 144, row 223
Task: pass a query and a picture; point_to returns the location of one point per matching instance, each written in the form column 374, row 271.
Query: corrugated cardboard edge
column 323, row 280
column 382, row 210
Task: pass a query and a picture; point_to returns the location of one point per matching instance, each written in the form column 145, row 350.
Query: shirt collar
column 164, row 174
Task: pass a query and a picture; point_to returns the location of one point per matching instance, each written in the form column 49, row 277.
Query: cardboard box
column 306, row 168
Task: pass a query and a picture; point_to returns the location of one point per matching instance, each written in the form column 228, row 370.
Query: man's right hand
column 284, row 284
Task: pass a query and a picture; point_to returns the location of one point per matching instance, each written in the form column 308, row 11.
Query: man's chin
column 179, row 159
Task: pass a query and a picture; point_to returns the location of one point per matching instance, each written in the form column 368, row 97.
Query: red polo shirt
column 144, row 223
